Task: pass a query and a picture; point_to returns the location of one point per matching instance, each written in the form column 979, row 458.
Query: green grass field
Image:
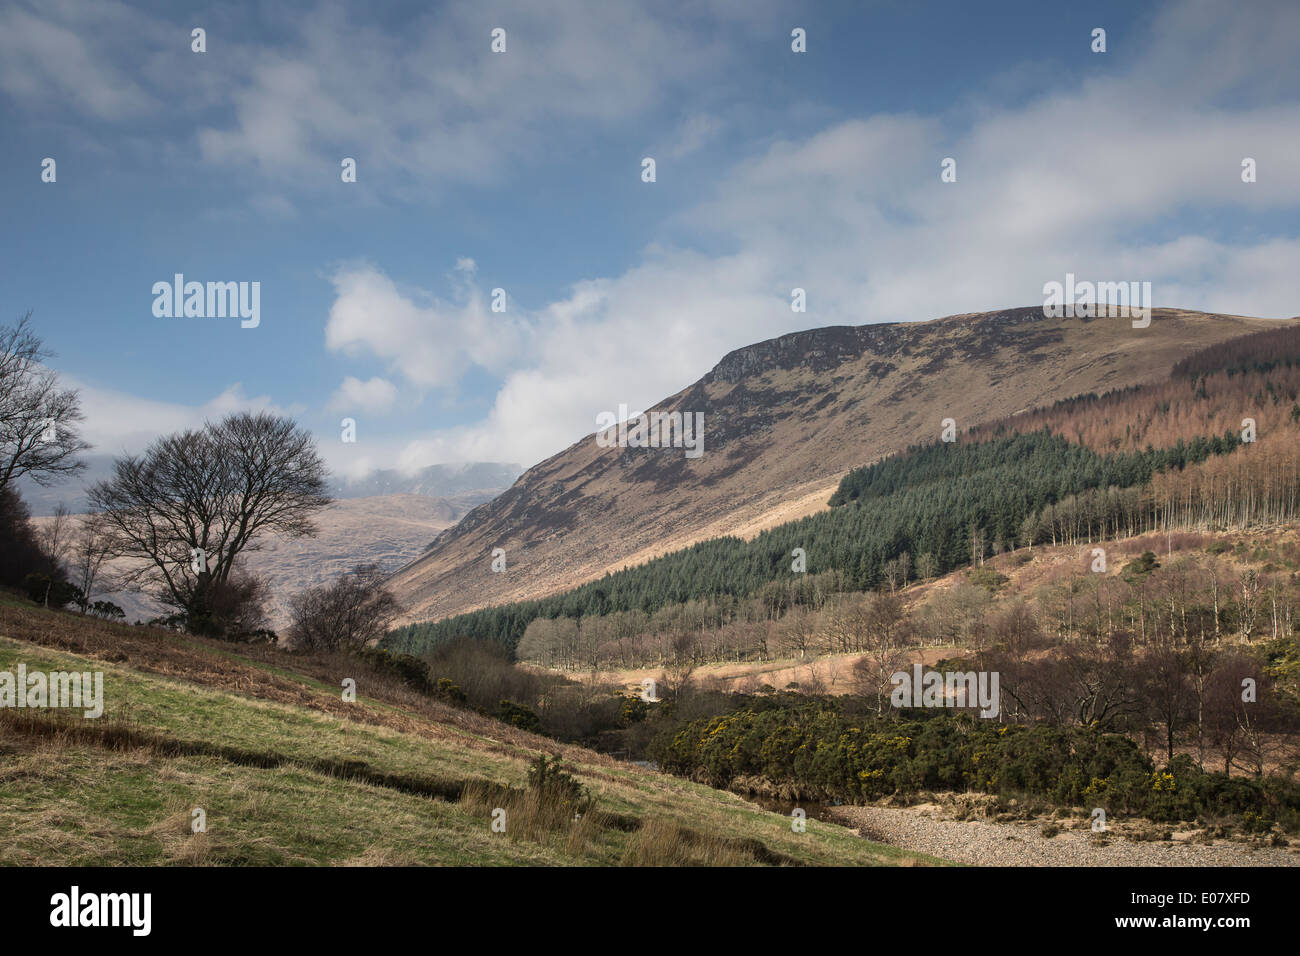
column 289, row 774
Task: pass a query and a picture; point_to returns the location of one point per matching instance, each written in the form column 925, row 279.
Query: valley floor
column 926, row 829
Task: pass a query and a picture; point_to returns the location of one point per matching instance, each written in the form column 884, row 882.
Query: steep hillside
column 785, row 419
column 1022, row 577
column 288, row 773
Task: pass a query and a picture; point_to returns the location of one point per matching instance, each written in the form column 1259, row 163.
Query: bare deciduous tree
column 186, row 508
column 38, row 420
column 888, row 642
column 927, row 566
column 90, row 547
column 53, row 540
column 681, row 665
column 346, row 615
column 798, row 630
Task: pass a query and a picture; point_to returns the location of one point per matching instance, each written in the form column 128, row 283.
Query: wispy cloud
column 1128, row 169
column 857, row 216
column 117, row 422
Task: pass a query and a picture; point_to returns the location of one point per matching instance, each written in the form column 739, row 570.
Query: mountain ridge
column 786, row 417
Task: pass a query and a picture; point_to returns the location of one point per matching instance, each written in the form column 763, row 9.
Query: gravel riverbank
column 924, row 829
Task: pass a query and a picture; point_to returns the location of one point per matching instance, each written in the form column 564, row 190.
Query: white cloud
column 375, row 395
column 118, row 423
column 429, row 342
column 1098, row 181
column 1118, row 176
column 415, row 96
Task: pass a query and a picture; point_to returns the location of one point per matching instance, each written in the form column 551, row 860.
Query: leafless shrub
column 346, row 615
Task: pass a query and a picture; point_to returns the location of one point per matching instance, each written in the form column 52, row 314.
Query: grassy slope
column 1042, row 565
column 69, row 798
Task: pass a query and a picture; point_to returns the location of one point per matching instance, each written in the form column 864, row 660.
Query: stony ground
column 928, row 829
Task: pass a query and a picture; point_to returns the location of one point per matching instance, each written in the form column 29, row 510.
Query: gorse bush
column 1140, row 567
column 517, row 715
column 410, row 670
column 449, row 690
column 817, row 751
column 548, row 778
column 481, row 675
column 107, row 610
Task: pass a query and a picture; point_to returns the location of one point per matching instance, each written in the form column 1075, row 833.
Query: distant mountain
column 785, row 419
column 72, row 492
column 387, row 530
column 386, row 518
column 436, row 481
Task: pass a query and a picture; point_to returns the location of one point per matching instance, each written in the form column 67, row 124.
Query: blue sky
column 521, row 170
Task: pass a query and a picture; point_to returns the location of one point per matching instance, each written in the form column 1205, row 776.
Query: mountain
column 70, row 493
column 481, row 479
column 785, row 419
column 388, row 530
column 386, row 518
column 438, row 481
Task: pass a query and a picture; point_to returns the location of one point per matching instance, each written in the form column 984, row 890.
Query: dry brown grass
column 381, row 856
column 538, row 817
column 531, row 815
column 181, row 845
column 235, row 668
column 665, row 842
